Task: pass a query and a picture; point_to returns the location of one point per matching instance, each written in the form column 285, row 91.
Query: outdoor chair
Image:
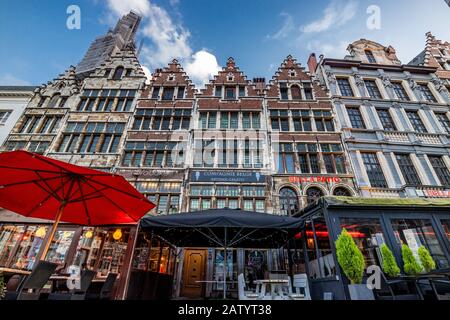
column 301, row 286
column 291, row 294
column 397, row 289
column 32, row 286
column 78, row 294
column 245, row 295
column 441, row 288
column 106, row 290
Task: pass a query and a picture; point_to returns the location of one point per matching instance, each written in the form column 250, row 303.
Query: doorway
column 194, row 268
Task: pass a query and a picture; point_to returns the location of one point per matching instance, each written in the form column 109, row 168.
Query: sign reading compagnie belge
column 227, row 176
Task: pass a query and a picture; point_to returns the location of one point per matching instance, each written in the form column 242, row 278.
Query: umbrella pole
column 53, row 230
column 225, row 266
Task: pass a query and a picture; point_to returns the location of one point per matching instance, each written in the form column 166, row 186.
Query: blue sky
column 36, row 45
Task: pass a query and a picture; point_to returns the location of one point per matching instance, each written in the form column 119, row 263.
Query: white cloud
column 287, row 27
column 336, row 14
column 202, row 67
column 328, row 49
column 10, row 80
column 167, row 39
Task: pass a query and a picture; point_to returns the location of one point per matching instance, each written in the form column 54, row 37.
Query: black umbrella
column 223, row 228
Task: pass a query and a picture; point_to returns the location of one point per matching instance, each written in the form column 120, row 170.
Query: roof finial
column 230, row 63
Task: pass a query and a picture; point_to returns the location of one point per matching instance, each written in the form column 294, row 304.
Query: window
column 59, row 246
column 180, row 93
column 118, row 73
column 241, row 91
column 308, row 91
column 368, row 236
column 356, row 118
column 286, row 158
column 324, row 121
column 218, row 91
column 251, row 120
column 438, row 164
column 373, row 170
column 4, row 115
column 284, row 91
column 302, row 120
column 229, row 120
column 416, row 233
column 155, row 93
column 154, row 154
column 30, row 123
column 313, row 195
column 446, row 227
column 279, row 120
column 444, row 121
column 370, row 57
column 168, row 94
column 408, row 170
column 230, row 93
column 334, row 158
column 165, row 195
column 372, row 89
column 289, row 204
column 93, row 137
column 386, row 119
column 208, row 120
column 416, row 122
column 400, row 91
column 53, row 103
column 342, row 192
column 320, row 256
column 308, row 158
column 38, row 147
column 345, row 87
column 427, row 95
column 252, row 154
column 296, row 93
column 162, row 119
column 204, row 153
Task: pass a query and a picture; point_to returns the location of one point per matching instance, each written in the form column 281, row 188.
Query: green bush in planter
column 390, row 266
column 2, row 286
column 410, row 264
column 350, row 257
column 426, row 259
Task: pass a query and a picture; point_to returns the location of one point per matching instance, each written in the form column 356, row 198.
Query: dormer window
column 308, row 91
column 292, row 73
column 180, row 94
column 284, row 91
column 219, row 91
column 296, row 93
column 241, row 91
column 370, row 57
column 54, row 100
column 155, row 94
column 168, row 94
column 118, row 73
column 171, row 77
column 230, row 93
column 230, row 77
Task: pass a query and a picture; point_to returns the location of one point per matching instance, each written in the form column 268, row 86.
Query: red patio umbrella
column 40, row 187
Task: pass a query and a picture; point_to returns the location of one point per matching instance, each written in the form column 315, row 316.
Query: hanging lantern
column 117, row 235
column 40, row 232
column 89, row 234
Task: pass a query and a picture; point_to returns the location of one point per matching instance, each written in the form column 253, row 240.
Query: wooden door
column 193, row 271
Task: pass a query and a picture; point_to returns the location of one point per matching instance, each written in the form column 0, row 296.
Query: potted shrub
column 410, row 264
column 352, row 263
column 390, row 267
column 2, row 286
column 426, row 259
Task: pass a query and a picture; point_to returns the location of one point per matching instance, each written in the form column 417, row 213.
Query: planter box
column 360, row 292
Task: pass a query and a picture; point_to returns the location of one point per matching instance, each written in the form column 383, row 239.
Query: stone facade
column 394, row 119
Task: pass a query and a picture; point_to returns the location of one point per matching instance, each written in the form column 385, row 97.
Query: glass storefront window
column 418, row 232
column 446, row 227
column 30, row 244
column 231, row 270
column 260, row 206
column 368, row 236
column 60, row 246
column 321, row 261
column 9, row 237
column 255, row 265
column 84, row 247
column 113, row 251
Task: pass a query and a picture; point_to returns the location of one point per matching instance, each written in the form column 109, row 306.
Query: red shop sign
column 437, row 193
column 314, row 179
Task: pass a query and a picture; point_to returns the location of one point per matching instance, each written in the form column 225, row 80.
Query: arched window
column 370, row 56
column 118, row 73
column 53, row 103
column 288, row 202
column 342, row 192
column 313, row 195
column 296, row 93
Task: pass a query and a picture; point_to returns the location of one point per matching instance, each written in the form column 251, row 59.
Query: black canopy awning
column 223, row 228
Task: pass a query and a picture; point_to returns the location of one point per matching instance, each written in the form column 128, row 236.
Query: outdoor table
column 276, row 286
